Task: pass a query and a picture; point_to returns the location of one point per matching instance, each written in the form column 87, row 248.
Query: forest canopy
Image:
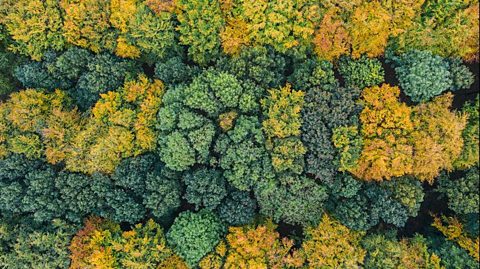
column 239, row 134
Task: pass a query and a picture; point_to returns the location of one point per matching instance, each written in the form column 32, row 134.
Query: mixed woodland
column 239, row 134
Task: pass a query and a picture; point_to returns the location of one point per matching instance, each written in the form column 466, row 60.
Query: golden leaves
column 453, row 230
column 399, row 140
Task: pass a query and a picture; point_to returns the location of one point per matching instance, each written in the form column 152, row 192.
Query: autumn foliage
column 239, row 134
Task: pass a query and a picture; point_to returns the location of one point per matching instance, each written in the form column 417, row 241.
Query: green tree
column 423, row 75
column 83, row 75
column 193, row 235
column 237, row 209
column 470, row 152
column 243, row 156
column 261, row 65
column 462, row 193
column 327, row 106
column 26, row 245
column 360, row 205
column 362, row 72
column 452, row 256
column 174, row 71
column 296, row 200
column 8, row 62
column 204, row 188
column 189, row 119
column 103, row 73
column 200, row 22
column 387, row 252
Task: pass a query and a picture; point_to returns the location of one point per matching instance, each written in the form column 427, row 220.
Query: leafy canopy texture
column 397, row 138
column 258, row 246
column 239, row 134
column 193, row 235
column 102, row 244
column 331, row 244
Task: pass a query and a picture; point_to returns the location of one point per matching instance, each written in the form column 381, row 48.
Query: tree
column 369, row 28
column 445, row 29
column 400, row 140
column 35, row 27
column 437, row 137
column 385, row 252
column 470, row 152
column 141, row 31
column 200, row 23
column 145, row 246
column 77, row 192
column 8, row 62
column 423, row 75
column 259, row 247
column 330, row 244
column 360, row 205
column 283, row 25
column 103, row 73
column 452, row 255
column 25, row 245
column 29, row 116
column 404, row 14
column 237, row 209
column 349, row 144
column 163, row 194
column 243, row 156
column 463, row 196
column 121, row 125
column 332, row 39
column 361, row 73
column 453, row 230
column 296, row 200
column 282, row 129
column 101, row 243
column 32, row 74
column 385, row 123
column 260, row 65
column 83, row 75
column 327, row 106
column 174, row 71
column 193, row 235
column 14, row 169
column 205, row 188
column 462, row 78
column 191, row 113
column 87, row 25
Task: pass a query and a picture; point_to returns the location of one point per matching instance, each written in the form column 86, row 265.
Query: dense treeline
column 239, row 134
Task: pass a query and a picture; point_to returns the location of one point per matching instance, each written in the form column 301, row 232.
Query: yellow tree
column 332, row 38
column 369, row 28
column 254, row 247
column 332, row 245
column 37, row 124
column 35, row 26
column 437, row 138
column 386, row 124
column 282, row 128
column 122, row 125
column 87, row 24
